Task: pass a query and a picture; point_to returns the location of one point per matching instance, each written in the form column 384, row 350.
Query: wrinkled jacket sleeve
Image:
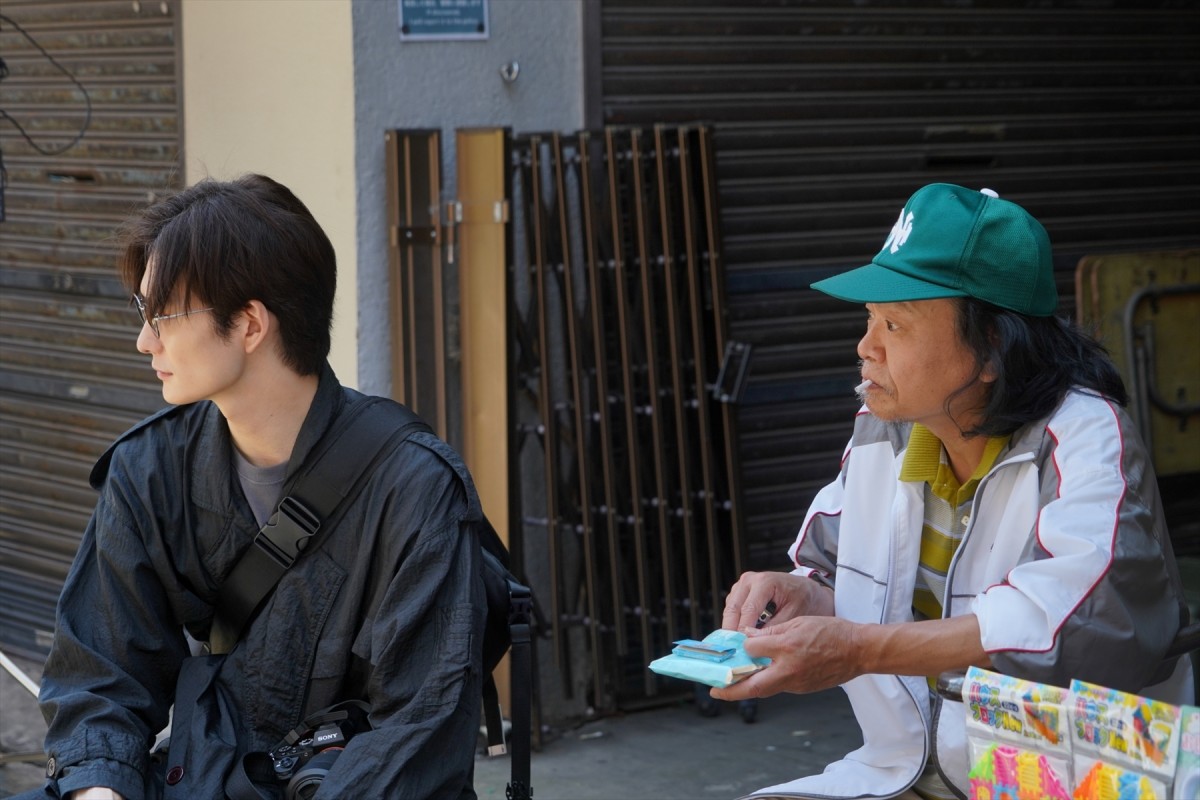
column 108, row 681
column 425, row 649
column 1096, row 594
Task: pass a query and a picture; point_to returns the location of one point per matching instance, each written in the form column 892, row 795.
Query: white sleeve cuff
column 95, row 793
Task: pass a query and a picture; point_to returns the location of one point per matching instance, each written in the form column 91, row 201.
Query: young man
column 994, row 507
column 235, row 283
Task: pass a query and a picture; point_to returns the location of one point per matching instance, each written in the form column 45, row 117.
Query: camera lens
column 307, row 780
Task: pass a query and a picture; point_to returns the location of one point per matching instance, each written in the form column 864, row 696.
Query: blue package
column 719, row 660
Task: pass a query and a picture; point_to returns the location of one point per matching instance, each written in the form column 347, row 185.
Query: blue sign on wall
column 443, row 19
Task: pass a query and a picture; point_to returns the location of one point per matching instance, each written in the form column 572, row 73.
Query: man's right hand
column 793, row 595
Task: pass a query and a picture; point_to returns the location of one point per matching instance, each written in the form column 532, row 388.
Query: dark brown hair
column 227, row 243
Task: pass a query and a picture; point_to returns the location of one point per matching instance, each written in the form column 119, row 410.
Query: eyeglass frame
column 139, row 303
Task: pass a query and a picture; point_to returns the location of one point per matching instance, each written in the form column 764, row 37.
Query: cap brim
column 876, row 284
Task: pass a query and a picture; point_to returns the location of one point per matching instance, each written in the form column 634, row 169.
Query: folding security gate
column 625, row 380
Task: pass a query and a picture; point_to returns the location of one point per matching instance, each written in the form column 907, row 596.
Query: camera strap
column 253, row 778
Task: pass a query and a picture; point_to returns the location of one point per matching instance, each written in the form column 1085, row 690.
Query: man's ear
column 988, row 373
column 256, row 324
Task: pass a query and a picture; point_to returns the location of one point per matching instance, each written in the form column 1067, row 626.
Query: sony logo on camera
column 326, row 737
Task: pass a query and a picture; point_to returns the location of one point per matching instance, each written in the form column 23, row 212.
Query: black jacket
column 170, row 525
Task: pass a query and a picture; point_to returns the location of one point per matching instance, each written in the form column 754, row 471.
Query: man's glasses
column 140, row 305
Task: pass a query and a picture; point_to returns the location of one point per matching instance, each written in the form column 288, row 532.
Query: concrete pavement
column 673, row 752
column 21, row 730
column 658, row 754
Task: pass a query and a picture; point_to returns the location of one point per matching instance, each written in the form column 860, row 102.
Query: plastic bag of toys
column 1017, row 738
column 1125, row 746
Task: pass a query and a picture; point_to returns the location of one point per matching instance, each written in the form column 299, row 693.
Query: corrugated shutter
column 70, row 376
column 828, row 115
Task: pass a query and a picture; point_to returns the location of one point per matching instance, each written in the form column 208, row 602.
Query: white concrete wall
column 449, row 85
column 268, row 86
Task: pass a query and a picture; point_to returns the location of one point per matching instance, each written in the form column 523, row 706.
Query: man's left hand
column 813, row 653
column 807, row 654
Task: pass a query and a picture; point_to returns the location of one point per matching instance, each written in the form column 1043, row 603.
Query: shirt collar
column 923, row 456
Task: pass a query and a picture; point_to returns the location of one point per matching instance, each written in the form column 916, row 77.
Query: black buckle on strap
column 520, row 610
column 286, row 534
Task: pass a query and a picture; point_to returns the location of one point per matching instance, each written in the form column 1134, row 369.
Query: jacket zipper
column 936, row 712
column 1018, row 459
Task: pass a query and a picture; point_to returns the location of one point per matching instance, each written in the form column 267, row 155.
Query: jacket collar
column 327, row 404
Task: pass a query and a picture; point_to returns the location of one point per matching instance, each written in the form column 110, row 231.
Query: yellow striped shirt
column 947, row 511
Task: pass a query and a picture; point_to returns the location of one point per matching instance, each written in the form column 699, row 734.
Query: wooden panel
column 1144, row 308
column 415, row 259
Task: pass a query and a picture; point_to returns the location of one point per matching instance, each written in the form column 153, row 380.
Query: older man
column 994, row 507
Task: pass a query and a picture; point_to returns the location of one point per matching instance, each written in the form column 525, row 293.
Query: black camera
column 305, row 756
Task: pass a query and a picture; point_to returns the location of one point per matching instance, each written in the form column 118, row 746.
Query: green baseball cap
column 956, row 242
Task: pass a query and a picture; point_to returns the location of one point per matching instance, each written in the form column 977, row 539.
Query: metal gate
column 625, row 379
column 70, row 377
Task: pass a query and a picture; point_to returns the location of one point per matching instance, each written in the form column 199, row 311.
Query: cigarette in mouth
column 862, row 387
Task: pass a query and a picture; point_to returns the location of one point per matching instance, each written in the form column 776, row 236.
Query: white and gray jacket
column 1066, row 562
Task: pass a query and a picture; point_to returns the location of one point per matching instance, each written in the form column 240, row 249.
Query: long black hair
column 1035, row 361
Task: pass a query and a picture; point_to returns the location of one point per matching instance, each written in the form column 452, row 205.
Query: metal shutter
column 70, row 376
column 828, row 115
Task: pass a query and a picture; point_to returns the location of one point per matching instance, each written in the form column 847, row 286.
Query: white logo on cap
column 900, row 232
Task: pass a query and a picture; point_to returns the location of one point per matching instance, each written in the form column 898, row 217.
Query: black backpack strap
column 347, row 451
column 520, row 615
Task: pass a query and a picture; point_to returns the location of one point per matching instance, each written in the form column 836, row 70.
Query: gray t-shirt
column 261, row 485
